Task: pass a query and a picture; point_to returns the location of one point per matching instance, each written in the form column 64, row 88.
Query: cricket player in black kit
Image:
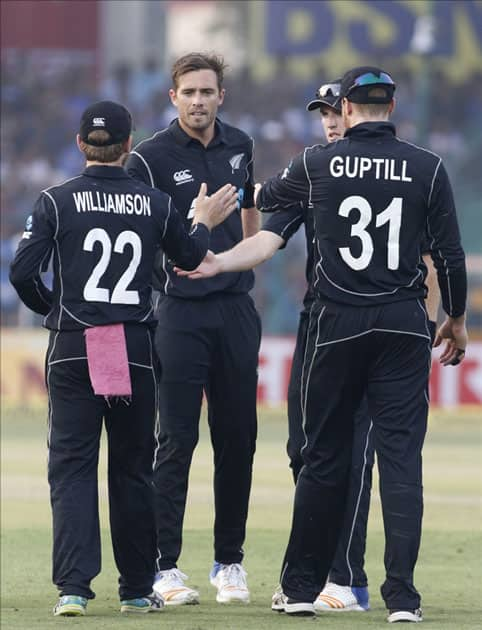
column 373, row 196
column 208, row 333
column 104, row 230
column 347, row 586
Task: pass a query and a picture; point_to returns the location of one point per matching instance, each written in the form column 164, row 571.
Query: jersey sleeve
column 248, row 198
column 445, row 245
column 31, row 256
column 184, row 249
column 284, row 223
column 138, row 167
column 289, row 188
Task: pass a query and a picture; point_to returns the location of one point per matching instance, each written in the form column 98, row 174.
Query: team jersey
column 103, row 229
column 373, row 198
column 174, row 162
column 285, row 223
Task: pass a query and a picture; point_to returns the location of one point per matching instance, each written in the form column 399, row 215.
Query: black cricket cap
column 108, row 116
column 327, row 94
column 357, row 85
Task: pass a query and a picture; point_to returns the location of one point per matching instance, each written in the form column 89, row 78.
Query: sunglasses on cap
column 328, row 89
column 370, row 78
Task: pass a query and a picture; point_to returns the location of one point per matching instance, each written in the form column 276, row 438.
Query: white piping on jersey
column 288, row 225
column 77, row 319
column 151, row 308
column 302, row 388
column 36, row 283
column 250, row 161
column 417, row 147
column 424, row 311
column 444, row 260
column 167, row 218
column 310, row 204
column 357, row 505
column 156, row 133
column 71, row 179
column 370, row 330
column 405, row 286
column 309, row 376
column 147, row 367
column 51, row 410
column 69, row 359
column 149, row 172
column 433, row 182
column 164, row 268
column 57, row 247
column 39, row 293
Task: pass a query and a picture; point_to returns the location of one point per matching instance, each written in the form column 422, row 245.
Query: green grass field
column 449, row 571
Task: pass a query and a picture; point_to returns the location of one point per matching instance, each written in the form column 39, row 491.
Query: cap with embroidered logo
column 108, row 116
column 367, row 84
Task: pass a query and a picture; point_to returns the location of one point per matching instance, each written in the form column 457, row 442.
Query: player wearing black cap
column 208, row 333
column 372, row 196
column 346, row 589
column 103, row 230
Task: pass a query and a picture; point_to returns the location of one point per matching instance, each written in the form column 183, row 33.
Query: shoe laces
column 232, row 575
column 173, row 576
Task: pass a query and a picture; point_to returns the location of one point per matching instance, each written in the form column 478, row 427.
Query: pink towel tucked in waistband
column 108, row 361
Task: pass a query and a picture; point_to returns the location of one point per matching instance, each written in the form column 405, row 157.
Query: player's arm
column 250, row 217
column 449, row 260
column 251, row 251
column 289, row 188
column 138, row 167
column 432, row 301
column 188, row 249
column 245, row 255
column 33, row 251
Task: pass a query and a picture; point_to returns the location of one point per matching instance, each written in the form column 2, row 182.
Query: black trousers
column 208, row 345
column 348, row 563
column 76, row 415
column 384, row 353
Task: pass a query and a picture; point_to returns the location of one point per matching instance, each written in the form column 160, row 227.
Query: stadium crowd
column 41, row 103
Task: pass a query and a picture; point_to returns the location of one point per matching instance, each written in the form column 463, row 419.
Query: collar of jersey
column 106, row 172
column 371, row 130
column 183, row 138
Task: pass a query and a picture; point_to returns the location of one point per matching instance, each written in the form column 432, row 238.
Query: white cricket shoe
column 278, row 600
column 230, row 580
column 281, row 603
column 169, row 584
column 405, row 616
column 335, row 597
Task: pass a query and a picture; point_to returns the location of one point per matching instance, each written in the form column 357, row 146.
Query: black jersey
column 174, row 162
column 285, row 223
column 373, row 198
column 104, row 229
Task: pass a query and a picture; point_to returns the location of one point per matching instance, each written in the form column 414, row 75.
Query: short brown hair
column 105, row 154
column 198, row 61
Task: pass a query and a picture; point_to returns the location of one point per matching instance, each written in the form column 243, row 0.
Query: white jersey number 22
column 120, row 293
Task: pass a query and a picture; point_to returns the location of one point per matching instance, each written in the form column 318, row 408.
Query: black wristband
column 432, row 328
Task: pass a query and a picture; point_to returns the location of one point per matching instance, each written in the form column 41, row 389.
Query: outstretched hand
column 454, row 333
column 210, row 266
column 212, row 210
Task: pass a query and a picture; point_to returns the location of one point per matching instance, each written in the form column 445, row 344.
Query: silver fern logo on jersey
column 236, row 160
